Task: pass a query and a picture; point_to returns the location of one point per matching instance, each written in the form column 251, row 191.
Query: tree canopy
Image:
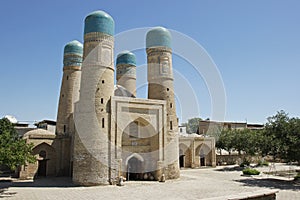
column 192, row 125
column 279, row 138
column 14, row 151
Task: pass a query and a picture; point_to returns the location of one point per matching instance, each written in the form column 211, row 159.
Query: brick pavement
column 209, row 183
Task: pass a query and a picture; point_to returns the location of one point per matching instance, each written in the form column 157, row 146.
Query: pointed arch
column 135, row 155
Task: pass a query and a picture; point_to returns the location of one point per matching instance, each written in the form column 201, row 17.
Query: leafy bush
column 245, row 163
column 297, row 177
column 249, row 171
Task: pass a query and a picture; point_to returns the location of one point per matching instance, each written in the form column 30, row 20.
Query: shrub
column 249, row 171
column 297, row 177
column 245, row 163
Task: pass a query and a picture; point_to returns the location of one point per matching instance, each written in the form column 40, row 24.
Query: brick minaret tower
column 160, row 86
column 91, row 146
column 126, row 71
column 69, row 92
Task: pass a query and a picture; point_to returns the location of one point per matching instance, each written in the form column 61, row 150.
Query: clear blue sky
column 254, row 43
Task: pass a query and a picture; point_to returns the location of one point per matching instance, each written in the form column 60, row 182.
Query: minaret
column 126, row 71
column 69, row 92
column 91, row 144
column 160, row 86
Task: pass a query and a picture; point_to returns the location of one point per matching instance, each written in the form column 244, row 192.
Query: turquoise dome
column 158, row 36
column 73, row 54
column 73, row 47
column 99, row 21
column 126, row 57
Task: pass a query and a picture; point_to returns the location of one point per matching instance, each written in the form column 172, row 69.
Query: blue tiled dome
column 73, row 47
column 99, row 21
column 158, row 36
column 126, row 57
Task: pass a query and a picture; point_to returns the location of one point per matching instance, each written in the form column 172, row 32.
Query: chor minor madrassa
column 103, row 132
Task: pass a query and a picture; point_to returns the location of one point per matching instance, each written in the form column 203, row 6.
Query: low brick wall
column 235, row 159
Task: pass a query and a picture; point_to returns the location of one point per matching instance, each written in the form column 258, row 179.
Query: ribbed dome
column 126, row 57
column 158, row 36
column 73, row 47
column 99, row 21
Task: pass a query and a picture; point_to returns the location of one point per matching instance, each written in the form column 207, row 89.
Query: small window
column 171, row 125
column 67, row 77
column 102, row 81
column 171, row 105
column 168, row 89
column 62, row 95
column 101, row 100
column 102, row 122
column 65, row 128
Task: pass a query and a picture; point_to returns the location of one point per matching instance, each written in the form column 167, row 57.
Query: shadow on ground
column 271, row 183
column 46, row 182
column 4, row 185
column 230, row 168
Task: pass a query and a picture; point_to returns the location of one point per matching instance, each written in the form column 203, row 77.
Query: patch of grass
column 249, row 171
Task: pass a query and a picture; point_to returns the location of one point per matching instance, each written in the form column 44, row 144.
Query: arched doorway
column 134, row 169
column 203, row 154
column 202, row 158
column 181, row 161
column 139, row 138
column 46, row 160
column 184, row 156
column 42, row 164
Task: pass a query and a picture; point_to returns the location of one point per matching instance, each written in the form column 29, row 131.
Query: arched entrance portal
column 134, row 169
column 42, row 166
column 203, row 155
column 140, row 145
column 46, row 160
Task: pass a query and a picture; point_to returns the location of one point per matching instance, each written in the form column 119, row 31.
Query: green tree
column 14, row 151
column 192, row 125
column 293, row 138
column 225, row 140
column 283, row 134
column 277, row 129
column 241, row 140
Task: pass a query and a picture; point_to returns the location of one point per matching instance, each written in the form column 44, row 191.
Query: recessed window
column 65, row 128
column 101, row 100
column 67, row 77
column 171, row 125
column 168, row 89
column 171, row 105
column 102, row 81
column 62, row 95
column 102, row 122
